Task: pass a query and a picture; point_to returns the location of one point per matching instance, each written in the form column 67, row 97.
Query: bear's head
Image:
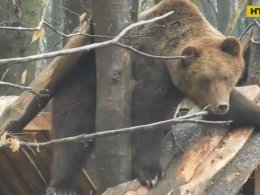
column 209, row 72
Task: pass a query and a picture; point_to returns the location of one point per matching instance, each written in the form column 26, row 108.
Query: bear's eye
column 205, row 84
column 191, row 54
column 225, row 78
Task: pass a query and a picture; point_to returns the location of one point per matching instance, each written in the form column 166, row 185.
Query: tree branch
column 114, row 41
column 25, row 88
column 151, row 126
column 148, row 55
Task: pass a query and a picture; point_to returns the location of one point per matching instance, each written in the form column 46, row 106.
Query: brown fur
column 185, row 28
column 208, row 76
column 73, row 113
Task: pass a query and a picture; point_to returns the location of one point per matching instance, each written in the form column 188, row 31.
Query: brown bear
column 208, row 75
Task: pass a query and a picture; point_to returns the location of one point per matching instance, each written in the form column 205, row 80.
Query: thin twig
column 252, row 39
column 173, row 128
column 43, row 15
column 246, row 30
column 5, row 73
column 113, row 41
column 148, row 55
column 19, row 28
column 213, row 7
column 74, row 34
column 24, row 88
column 7, row 84
column 90, row 137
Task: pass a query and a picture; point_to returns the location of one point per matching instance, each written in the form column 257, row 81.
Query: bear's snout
column 222, row 108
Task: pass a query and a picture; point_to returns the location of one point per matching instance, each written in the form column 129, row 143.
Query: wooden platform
column 27, row 172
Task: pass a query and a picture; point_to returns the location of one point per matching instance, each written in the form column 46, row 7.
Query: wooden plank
column 84, row 185
column 12, row 177
column 42, row 158
column 41, row 122
column 28, row 170
column 4, row 190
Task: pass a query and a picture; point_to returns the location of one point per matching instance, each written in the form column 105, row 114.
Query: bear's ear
column 191, row 53
column 231, row 46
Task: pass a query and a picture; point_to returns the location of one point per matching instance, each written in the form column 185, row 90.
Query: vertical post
column 114, row 87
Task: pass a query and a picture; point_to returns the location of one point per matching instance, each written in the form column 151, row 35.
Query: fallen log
column 200, row 169
column 17, row 115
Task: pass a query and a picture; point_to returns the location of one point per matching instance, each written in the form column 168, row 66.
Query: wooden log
column 194, row 171
column 17, row 115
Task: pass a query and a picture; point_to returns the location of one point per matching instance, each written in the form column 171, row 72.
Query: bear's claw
column 150, row 177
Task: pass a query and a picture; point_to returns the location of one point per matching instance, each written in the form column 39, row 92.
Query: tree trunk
column 223, row 14
column 114, row 89
column 156, row 1
column 51, row 41
column 254, row 57
column 18, row 43
column 209, row 11
column 134, row 11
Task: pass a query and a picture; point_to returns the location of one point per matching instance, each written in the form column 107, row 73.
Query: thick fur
column 208, row 76
column 73, row 113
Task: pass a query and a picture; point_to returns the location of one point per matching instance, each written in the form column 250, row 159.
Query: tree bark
column 254, row 58
column 134, row 11
column 223, row 14
column 209, row 11
column 156, row 1
column 18, row 43
column 16, row 116
column 114, row 91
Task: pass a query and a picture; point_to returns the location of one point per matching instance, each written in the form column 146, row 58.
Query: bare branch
column 25, row 88
column 5, row 73
column 43, row 15
column 246, row 30
column 18, row 28
column 148, row 55
column 252, row 39
column 90, row 137
column 173, row 127
column 213, row 7
column 113, row 41
column 74, row 34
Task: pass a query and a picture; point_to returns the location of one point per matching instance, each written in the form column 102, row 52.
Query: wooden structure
column 200, row 167
column 27, row 172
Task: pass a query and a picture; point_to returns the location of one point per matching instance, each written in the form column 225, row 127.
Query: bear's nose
column 222, row 108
